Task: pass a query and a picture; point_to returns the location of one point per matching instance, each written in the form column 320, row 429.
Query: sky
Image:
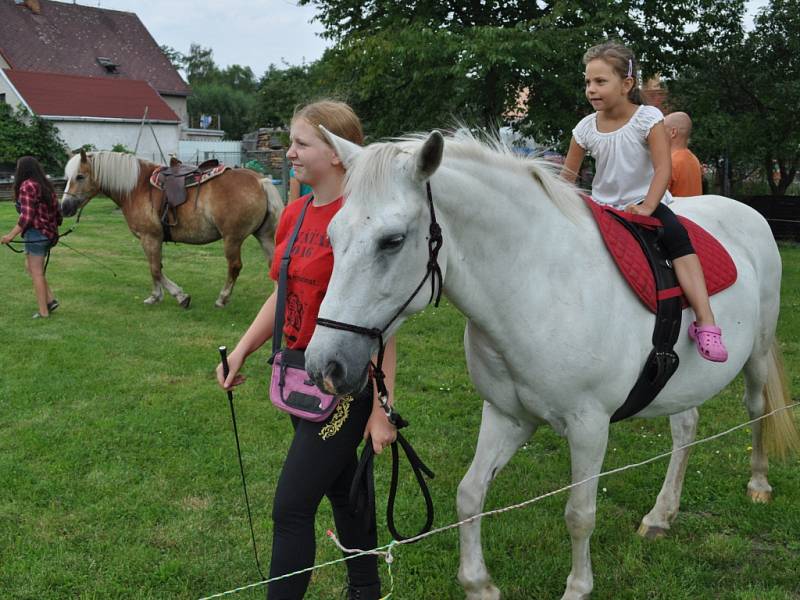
column 255, row 33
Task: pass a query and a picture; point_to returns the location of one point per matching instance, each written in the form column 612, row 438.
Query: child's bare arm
column 572, row 163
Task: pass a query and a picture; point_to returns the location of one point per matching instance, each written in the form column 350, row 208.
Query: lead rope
column 363, row 481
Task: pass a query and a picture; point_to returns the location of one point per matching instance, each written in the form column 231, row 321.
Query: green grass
column 118, row 472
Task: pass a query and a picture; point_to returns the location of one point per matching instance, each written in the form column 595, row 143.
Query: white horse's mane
column 115, row 172
column 489, row 150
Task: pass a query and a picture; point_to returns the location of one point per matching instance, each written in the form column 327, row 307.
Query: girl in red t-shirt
column 322, row 458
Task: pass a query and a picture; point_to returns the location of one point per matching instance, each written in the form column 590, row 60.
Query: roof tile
column 54, row 94
column 68, row 38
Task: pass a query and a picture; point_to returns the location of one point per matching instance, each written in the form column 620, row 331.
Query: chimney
column 34, row 5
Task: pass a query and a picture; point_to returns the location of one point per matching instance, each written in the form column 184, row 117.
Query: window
column 109, row 65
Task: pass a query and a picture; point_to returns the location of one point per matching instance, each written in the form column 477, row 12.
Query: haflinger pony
column 554, row 335
column 231, row 206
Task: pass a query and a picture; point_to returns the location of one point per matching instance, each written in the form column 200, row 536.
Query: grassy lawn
column 118, row 472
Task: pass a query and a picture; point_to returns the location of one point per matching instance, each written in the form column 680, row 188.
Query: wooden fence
column 782, row 214
column 7, row 188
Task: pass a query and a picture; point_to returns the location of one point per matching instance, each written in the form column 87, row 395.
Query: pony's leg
column 499, row 438
column 755, row 376
column 152, row 250
column 588, row 438
column 656, row 523
column 233, row 254
column 176, row 291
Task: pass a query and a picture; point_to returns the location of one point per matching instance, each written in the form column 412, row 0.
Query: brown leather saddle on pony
column 174, row 180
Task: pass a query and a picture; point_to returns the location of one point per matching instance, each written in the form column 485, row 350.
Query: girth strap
column 662, row 362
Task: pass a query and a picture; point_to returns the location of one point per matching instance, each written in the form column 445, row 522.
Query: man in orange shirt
column 687, row 174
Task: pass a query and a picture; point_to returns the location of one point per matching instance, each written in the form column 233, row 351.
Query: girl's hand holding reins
column 6, row 239
column 382, row 431
column 235, row 362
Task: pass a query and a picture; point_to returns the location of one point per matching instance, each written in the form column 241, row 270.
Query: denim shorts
column 36, row 243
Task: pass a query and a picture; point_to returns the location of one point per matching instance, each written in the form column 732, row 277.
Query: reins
column 58, row 237
column 363, row 483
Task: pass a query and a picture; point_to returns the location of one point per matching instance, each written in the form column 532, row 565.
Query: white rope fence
column 386, row 550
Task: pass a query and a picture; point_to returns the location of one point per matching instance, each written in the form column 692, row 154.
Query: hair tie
column 630, row 67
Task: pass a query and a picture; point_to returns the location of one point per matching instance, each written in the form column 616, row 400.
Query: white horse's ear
column 345, row 149
column 428, row 158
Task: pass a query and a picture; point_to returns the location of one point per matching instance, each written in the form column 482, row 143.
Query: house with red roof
column 94, row 73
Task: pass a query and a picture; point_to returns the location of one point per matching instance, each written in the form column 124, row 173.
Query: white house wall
column 104, row 135
column 178, row 105
column 11, row 95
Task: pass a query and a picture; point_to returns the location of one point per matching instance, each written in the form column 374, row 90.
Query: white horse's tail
column 781, row 438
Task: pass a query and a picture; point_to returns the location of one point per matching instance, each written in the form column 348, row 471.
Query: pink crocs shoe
column 709, row 342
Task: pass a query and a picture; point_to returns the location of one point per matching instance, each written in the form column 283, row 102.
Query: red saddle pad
column 718, row 267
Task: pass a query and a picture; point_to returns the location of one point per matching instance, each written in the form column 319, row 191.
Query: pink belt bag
column 291, row 389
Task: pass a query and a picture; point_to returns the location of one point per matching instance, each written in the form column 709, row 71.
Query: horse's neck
column 505, row 238
column 146, row 169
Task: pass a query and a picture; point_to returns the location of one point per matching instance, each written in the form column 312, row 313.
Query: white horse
column 554, row 335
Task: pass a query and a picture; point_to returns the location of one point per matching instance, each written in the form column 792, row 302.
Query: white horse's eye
column 392, row 242
column 79, row 177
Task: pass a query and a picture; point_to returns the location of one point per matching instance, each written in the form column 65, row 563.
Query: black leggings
column 317, row 467
column 675, row 238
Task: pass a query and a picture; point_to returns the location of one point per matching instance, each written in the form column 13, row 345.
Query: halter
column 435, row 273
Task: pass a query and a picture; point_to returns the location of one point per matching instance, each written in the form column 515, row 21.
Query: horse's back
column 742, row 230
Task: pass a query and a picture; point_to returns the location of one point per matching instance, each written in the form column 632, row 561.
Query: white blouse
column 623, row 167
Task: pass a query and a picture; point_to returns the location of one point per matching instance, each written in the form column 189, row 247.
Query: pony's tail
column 266, row 231
column 780, row 435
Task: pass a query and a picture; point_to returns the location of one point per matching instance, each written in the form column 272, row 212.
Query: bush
column 22, row 133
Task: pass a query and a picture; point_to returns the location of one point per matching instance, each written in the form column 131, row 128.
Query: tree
column 230, row 93
column 24, row 134
column 282, row 89
column 240, row 78
column 200, row 66
column 411, row 64
column 738, row 88
column 235, row 107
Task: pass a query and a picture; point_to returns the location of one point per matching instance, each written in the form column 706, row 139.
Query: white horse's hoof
column 759, row 496
column 651, row 532
column 487, row 592
column 571, row 595
column 184, row 301
column 150, row 300
column 221, row 303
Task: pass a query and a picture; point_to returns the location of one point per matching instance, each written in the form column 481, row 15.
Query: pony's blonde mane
column 464, row 145
column 115, row 172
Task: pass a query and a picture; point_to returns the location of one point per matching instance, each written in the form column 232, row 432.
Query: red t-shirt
column 309, row 269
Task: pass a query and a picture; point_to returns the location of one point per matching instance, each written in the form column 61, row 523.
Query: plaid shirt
column 34, row 212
